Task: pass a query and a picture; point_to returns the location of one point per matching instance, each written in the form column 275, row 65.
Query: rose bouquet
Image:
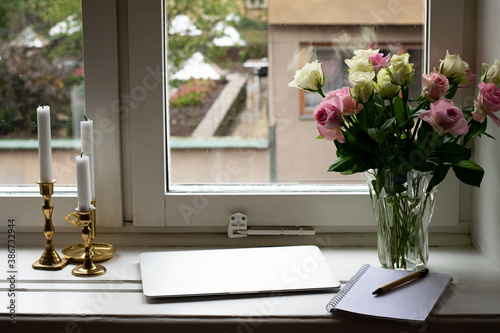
column 403, row 146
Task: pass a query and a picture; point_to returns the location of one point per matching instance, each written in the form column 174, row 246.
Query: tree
column 204, row 14
column 32, row 76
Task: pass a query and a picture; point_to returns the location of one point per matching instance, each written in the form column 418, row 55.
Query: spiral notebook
column 412, row 301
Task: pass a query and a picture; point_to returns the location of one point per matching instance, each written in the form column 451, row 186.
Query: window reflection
column 41, row 63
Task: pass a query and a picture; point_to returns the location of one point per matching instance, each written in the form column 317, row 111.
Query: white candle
column 83, row 182
column 87, row 133
column 44, row 144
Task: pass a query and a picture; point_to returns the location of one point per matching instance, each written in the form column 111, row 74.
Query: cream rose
column 359, row 64
column 491, row 73
column 361, row 60
column 309, row 78
column 401, row 69
column 384, row 85
column 453, row 67
column 362, row 85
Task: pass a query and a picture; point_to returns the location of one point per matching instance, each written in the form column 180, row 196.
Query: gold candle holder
column 100, row 251
column 49, row 260
column 87, row 268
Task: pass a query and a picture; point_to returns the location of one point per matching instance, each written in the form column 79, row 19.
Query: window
column 200, row 208
column 126, row 93
column 41, row 63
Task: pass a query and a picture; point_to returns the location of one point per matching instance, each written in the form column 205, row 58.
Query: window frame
column 24, row 203
column 132, row 183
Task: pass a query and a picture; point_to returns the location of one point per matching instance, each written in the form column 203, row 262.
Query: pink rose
column 470, row 76
column 488, row 101
column 379, row 61
column 328, row 116
column 350, row 106
column 435, row 86
column 444, row 117
column 331, row 134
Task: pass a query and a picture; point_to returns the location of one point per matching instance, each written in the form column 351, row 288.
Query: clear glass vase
column 403, row 206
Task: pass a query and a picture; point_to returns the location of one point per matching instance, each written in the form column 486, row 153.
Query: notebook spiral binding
column 347, row 287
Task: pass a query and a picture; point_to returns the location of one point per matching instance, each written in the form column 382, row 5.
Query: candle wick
column 81, row 155
column 85, row 118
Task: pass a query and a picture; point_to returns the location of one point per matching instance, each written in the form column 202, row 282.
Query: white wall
column 486, row 231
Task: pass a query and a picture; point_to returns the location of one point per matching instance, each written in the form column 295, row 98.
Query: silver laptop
column 235, row 271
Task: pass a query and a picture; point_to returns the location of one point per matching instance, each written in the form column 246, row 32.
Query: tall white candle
column 44, row 144
column 87, row 133
column 83, row 182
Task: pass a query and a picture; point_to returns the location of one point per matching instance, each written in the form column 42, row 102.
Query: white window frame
column 123, row 54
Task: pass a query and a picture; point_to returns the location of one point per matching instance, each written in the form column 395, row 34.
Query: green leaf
column 388, row 123
column 343, row 163
column 440, row 173
column 453, row 153
column 475, row 129
column 489, row 136
column 424, row 105
column 377, row 134
column 469, row 172
column 452, row 91
column 399, row 109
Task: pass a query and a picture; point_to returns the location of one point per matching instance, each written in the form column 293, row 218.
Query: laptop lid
column 235, row 271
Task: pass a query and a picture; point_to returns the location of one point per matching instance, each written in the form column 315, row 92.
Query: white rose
column 309, row 78
column 362, row 85
column 359, row 64
column 401, row 69
column 365, row 53
column 361, row 60
column 491, row 73
column 453, row 67
column 384, row 85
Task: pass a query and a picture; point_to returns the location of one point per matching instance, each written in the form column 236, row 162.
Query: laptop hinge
column 238, row 228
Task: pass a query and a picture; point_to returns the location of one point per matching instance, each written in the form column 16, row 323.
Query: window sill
column 61, row 302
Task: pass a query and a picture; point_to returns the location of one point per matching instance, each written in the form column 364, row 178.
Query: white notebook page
column 411, row 301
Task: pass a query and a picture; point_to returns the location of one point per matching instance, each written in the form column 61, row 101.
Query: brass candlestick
column 88, row 268
column 100, row 251
column 49, row 260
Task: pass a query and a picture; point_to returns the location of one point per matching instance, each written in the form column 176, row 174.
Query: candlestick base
column 49, row 259
column 100, row 252
column 88, row 269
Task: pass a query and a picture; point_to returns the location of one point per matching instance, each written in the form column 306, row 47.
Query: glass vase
column 403, row 206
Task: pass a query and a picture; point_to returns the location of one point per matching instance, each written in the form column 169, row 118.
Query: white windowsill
column 59, row 301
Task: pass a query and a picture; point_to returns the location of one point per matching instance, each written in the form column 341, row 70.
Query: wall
column 331, row 12
column 486, row 230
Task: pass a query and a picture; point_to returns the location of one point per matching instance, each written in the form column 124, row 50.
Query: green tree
column 32, row 76
column 204, row 14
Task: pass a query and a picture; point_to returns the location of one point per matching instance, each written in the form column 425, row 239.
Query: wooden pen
column 399, row 282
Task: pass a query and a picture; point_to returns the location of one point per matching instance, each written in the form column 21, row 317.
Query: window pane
column 239, row 123
column 41, row 63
